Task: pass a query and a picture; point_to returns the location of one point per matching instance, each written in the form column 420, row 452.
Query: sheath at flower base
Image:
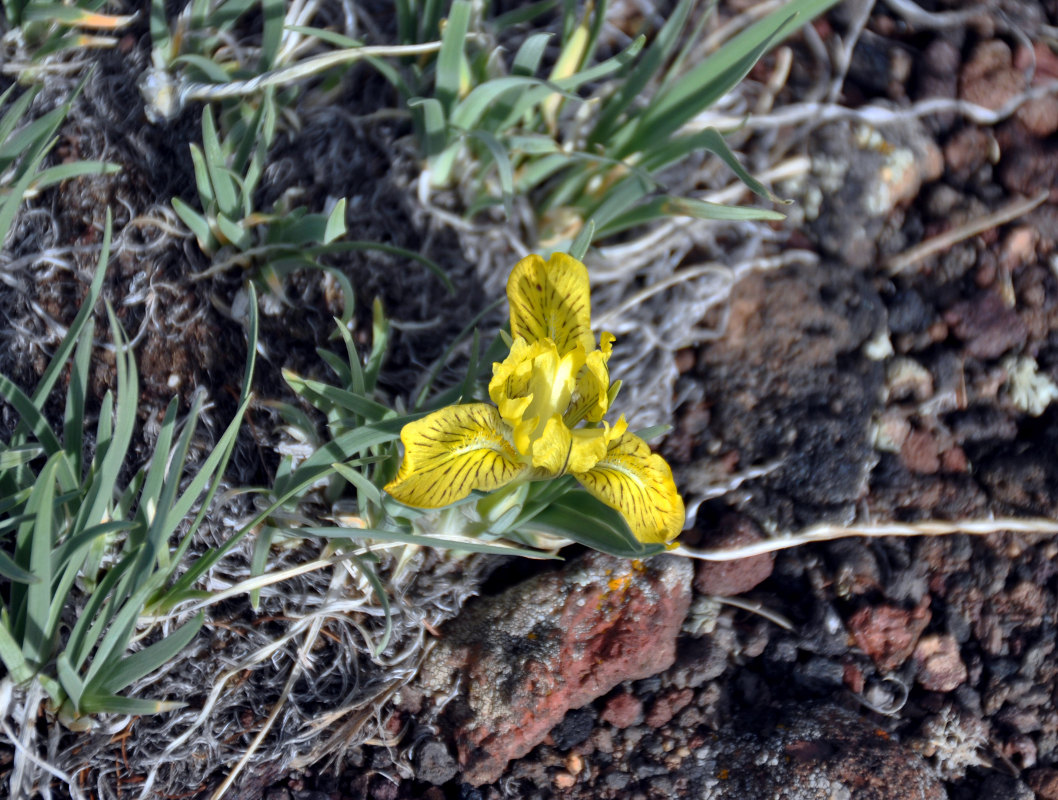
column 554, row 379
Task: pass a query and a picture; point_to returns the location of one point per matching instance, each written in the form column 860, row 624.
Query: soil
column 861, row 390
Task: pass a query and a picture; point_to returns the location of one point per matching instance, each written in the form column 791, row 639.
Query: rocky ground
column 882, row 382
column 870, row 379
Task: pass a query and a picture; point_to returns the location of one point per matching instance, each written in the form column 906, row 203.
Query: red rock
column 622, row 710
column 989, row 78
column 986, row 325
column 740, row 575
column 954, row 460
column 888, row 634
column 919, row 453
column 518, row 662
column 667, row 706
column 1044, row 782
column 853, row 678
column 967, row 150
column 940, row 665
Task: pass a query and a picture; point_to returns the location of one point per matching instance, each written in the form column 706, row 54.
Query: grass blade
column 449, row 59
column 147, row 660
column 33, row 547
column 666, row 206
column 630, row 88
column 503, row 167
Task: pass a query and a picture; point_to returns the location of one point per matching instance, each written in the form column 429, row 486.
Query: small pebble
column 563, row 780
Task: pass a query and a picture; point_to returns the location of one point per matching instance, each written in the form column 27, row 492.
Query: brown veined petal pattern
column 451, row 452
column 590, row 400
column 551, row 300
column 639, row 485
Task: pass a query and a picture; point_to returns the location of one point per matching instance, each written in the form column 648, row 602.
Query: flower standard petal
column 551, row 300
column 639, row 485
column 451, row 452
column 591, row 393
column 510, row 377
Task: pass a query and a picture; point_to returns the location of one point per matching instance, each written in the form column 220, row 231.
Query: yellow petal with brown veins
column 639, row 485
column 590, row 399
column 451, row 452
column 551, row 300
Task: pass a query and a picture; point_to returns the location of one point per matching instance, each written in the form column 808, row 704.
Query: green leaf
column 197, row 224
column 585, row 520
column 37, row 133
column 65, row 15
column 30, row 415
column 317, row 393
column 336, row 363
column 335, row 223
column 341, row 247
column 431, row 118
column 584, row 239
column 116, row 704
column 460, row 543
column 523, row 13
column 666, row 206
column 259, row 559
column 470, row 110
column 272, row 12
column 17, row 110
column 206, row 197
column 11, row 457
column 11, row 654
column 447, row 79
column 380, row 330
column 70, row 681
column 145, row 661
column 161, row 41
column 13, row 572
column 210, row 69
column 712, row 140
column 80, row 322
column 652, row 432
column 632, row 86
column 9, row 204
column 535, row 144
column 360, row 482
column 237, row 235
column 216, row 164
column 35, row 540
column 73, row 416
column 714, row 77
column 503, row 167
column 328, row 36
column 527, row 59
column 64, row 172
column 383, row 598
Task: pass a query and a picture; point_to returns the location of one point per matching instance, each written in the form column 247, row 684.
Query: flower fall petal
column 451, row 452
column 639, row 485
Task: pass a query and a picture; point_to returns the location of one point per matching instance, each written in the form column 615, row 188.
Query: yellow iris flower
column 554, row 378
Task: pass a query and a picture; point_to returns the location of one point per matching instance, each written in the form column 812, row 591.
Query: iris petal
column 451, row 452
column 551, row 300
column 590, row 395
column 639, row 485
